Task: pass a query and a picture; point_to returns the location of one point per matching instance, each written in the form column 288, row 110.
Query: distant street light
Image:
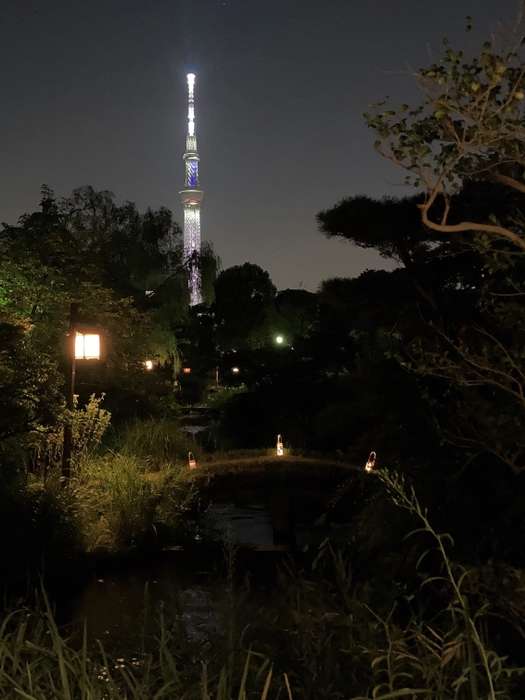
column 279, row 339
column 186, row 370
column 148, row 364
column 235, row 370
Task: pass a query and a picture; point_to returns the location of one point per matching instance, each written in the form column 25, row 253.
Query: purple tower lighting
column 191, row 199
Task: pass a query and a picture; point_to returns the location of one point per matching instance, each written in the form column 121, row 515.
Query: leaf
column 402, row 692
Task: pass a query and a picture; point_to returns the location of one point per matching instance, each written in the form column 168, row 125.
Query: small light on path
column 370, row 462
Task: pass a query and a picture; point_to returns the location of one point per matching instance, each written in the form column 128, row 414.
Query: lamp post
column 80, row 346
column 70, row 392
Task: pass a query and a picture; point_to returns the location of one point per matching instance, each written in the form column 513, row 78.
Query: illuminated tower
column 191, row 199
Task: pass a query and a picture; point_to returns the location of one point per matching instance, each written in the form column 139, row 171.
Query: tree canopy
column 463, row 146
column 244, row 296
column 469, row 126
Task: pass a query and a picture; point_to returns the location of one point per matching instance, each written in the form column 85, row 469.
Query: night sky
column 94, row 92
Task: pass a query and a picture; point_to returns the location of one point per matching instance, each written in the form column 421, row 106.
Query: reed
column 120, row 501
column 450, row 654
column 159, row 441
column 309, row 637
column 37, row 662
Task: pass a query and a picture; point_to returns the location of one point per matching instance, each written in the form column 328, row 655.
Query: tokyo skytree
column 191, row 199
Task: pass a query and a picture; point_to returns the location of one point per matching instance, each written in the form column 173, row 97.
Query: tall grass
column 159, row 441
column 121, row 503
column 303, row 637
column 118, row 499
column 307, row 636
column 38, row 662
column 449, row 654
column 88, row 425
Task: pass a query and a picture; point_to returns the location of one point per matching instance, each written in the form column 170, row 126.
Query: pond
column 259, row 528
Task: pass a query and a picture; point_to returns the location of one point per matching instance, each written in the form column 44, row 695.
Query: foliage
column 433, row 264
column 296, row 313
column 113, row 501
column 450, row 652
column 39, row 661
column 210, row 267
column 463, row 146
column 29, row 382
column 88, row 425
column 134, row 252
column 121, row 504
column 158, row 441
column 320, row 634
column 88, row 250
column 223, row 395
column 243, row 299
column 38, row 534
column 469, row 127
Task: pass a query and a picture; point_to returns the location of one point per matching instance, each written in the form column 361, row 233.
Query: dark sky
column 94, row 92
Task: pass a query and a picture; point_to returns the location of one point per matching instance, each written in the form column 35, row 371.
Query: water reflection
column 118, row 601
column 183, row 580
column 245, row 525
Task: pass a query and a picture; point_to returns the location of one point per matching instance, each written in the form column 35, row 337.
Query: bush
column 38, row 533
column 157, row 442
column 121, row 503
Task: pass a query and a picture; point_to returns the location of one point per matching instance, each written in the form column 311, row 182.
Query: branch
column 496, row 176
column 470, row 226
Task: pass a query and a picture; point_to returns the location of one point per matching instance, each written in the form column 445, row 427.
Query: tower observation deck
column 191, row 199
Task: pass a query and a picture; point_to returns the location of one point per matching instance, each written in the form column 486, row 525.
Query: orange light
column 370, row 462
column 186, row 370
column 148, row 364
column 87, row 346
column 280, row 447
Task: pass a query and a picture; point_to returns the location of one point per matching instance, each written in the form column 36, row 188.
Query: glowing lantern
column 148, row 364
column 186, row 370
column 280, row 448
column 87, row 346
column 370, row 462
column 191, row 461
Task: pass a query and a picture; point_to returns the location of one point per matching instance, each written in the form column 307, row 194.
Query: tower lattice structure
column 191, row 199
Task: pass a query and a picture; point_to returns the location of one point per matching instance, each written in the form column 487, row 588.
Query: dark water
column 117, row 601
column 262, row 527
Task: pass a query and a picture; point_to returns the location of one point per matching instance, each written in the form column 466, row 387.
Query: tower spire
column 191, row 199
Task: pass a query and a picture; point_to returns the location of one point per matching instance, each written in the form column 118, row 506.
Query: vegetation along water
column 127, row 574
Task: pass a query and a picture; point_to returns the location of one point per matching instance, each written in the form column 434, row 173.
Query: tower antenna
column 191, row 198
